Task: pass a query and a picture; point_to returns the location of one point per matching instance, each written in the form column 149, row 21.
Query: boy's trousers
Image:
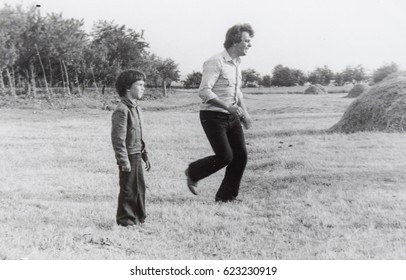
column 131, row 199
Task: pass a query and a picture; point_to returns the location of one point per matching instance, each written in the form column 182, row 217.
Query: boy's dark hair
column 234, row 34
column 126, row 78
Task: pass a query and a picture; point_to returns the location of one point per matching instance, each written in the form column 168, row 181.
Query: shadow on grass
column 328, row 179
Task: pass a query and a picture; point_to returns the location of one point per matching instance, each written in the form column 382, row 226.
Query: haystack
column 315, row 89
column 382, row 108
column 395, row 75
column 357, row 90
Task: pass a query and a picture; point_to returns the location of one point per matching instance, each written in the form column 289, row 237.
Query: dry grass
column 307, row 194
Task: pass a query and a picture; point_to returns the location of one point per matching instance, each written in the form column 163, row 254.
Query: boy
column 129, row 148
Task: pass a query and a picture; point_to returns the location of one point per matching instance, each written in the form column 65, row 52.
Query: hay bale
column 357, row 90
column 395, row 75
column 322, row 88
column 315, row 89
column 381, row 108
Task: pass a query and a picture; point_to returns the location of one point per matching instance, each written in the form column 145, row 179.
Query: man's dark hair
column 234, row 34
column 126, row 78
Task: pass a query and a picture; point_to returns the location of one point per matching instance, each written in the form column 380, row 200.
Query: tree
column 193, row 80
column 9, row 33
column 353, row 74
column 250, row 76
column 62, row 46
column 282, row 76
column 266, row 81
column 338, row 79
column 321, row 76
column 116, row 48
column 30, row 27
column 298, row 76
column 42, row 46
column 168, row 72
column 384, row 71
column 150, row 68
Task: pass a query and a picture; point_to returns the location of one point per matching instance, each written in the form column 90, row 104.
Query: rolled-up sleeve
column 239, row 93
column 118, row 137
column 211, row 73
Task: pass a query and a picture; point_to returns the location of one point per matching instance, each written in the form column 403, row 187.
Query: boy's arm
column 144, row 156
column 118, row 138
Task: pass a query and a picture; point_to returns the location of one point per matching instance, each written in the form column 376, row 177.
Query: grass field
column 306, row 194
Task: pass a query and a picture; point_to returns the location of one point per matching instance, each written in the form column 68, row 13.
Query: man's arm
column 245, row 117
column 235, row 110
column 211, row 73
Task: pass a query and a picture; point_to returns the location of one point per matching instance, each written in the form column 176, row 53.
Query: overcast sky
column 302, row 34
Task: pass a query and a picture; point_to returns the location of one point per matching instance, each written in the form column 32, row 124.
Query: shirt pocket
column 226, row 79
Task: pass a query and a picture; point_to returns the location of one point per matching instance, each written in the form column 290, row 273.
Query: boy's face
column 136, row 91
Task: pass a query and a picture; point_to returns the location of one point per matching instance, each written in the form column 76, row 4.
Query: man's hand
column 144, row 157
column 235, row 110
column 246, row 122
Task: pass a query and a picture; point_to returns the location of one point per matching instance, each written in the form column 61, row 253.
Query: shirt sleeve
column 211, row 73
column 239, row 91
column 118, row 137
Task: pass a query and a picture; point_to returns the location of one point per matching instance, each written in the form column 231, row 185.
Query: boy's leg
column 139, row 189
column 131, row 199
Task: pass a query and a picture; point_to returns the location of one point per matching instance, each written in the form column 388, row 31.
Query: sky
column 300, row 34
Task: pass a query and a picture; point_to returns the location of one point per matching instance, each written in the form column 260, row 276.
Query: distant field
column 295, row 90
column 306, row 194
column 286, row 90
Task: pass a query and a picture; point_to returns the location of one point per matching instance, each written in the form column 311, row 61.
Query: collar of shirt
column 227, row 57
column 129, row 102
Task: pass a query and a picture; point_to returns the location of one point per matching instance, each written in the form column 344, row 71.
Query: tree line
column 54, row 52
column 286, row 77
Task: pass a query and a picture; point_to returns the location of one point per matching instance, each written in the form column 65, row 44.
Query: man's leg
column 230, row 185
column 215, row 126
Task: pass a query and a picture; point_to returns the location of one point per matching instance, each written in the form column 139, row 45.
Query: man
column 222, row 114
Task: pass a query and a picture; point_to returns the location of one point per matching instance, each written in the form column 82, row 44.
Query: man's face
column 243, row 46
column 136, row 90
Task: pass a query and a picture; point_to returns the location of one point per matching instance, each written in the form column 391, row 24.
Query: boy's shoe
column 190, row 183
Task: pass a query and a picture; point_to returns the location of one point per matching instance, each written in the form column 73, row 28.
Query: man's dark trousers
column 226, row 137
